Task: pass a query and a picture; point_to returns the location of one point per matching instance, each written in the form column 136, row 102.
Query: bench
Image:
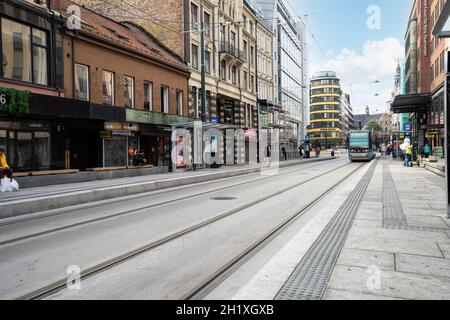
column 44, row 173
column 100, row 169
column 430, row 159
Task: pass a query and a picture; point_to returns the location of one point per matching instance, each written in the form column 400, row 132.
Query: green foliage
column 373, row 125
column 16, row 102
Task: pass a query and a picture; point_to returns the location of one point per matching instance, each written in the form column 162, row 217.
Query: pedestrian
column 408, row 154
column 4, row 168
column 283, row 150
column 317, row 151
column 300, row 151
column 426, row 151
column 269, row 153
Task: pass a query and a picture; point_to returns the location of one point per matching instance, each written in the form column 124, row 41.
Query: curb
column 33, row 205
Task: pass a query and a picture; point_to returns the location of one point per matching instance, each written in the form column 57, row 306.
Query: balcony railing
column 233, row 50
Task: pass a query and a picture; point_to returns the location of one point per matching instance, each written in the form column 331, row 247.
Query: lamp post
column 202, row 54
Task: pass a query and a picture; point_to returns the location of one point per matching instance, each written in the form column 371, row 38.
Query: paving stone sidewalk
column 405, row 257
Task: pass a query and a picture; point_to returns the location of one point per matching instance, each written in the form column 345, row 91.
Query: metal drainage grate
column 223, row 198
column 310, row 278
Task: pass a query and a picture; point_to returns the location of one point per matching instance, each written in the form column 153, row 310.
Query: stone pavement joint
column 310, row 278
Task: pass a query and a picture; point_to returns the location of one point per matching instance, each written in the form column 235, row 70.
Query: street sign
column 408, row 127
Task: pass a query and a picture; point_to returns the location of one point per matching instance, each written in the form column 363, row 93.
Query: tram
column 360, row 145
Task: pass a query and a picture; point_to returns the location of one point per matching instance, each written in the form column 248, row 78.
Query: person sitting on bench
column 4, row 168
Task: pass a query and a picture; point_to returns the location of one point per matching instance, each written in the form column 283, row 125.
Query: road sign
column 214, row 120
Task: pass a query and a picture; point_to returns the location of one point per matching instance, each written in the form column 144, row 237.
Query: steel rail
column 125, row 212
column 94, row 270
column 208, row 285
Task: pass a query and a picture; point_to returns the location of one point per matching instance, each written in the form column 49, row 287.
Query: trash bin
column 332, row 153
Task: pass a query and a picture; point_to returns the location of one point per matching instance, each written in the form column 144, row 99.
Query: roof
column 122, row 35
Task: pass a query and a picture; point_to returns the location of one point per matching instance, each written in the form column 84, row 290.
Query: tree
column 373, row 125
column 376, row 129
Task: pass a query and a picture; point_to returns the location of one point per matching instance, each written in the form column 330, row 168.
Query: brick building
column 118, row 91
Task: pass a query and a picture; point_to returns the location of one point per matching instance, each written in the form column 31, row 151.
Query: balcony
column 231, row 53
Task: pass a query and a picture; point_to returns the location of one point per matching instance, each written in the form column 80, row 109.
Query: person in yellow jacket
column 4, row 168
column 408, row 152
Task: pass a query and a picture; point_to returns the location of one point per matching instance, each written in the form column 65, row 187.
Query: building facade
column 107, row 109
column 267, row 88
column 230, row 51
column 290, row 71
column 325, row 110
column 31, row 71
column 434, row 129
column 347, row 118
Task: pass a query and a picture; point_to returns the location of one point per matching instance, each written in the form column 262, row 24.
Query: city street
column 223, row 158
column 235, row 238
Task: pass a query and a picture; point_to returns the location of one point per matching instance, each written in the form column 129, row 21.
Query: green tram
column 360, row 146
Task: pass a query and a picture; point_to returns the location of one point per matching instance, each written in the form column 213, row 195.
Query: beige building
column 267, row 87
column 230, row 50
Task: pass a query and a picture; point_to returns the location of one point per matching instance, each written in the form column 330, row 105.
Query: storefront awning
column 411, row 103
column 442, row 26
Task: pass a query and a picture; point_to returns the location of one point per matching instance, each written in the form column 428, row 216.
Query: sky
column 362, row 40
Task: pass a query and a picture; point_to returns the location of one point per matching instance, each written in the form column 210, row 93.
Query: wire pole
column 202, row 54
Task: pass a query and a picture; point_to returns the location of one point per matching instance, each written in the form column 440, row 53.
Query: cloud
column 377, row 60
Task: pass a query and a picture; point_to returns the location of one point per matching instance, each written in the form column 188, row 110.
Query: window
column 233, row 42
column 148, row 96
column 108, row 88
column 251, row 27
column 207, row 62
column 81, row 82
column 223, row 68
column 207, row 22
column 128, row 93
column 179, row 102
column 24, row 53
column 222, row 35
column 252, row 55
column 194, row 56
column 194, row 16
column 245, row 80
column 233, row 74
column 252, row 83
column 165, row 99
column 245, row 50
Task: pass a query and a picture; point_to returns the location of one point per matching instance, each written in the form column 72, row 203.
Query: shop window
column 24, row 150
column 179, row 102
column 128, row 94
column 148, row 96
column 164, row 99
column 41, row 150
column 81, row 82
column 108, row 88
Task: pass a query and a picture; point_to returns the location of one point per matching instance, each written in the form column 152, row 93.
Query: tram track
column 208, row 285
column 130, row 211
column 61, row 284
